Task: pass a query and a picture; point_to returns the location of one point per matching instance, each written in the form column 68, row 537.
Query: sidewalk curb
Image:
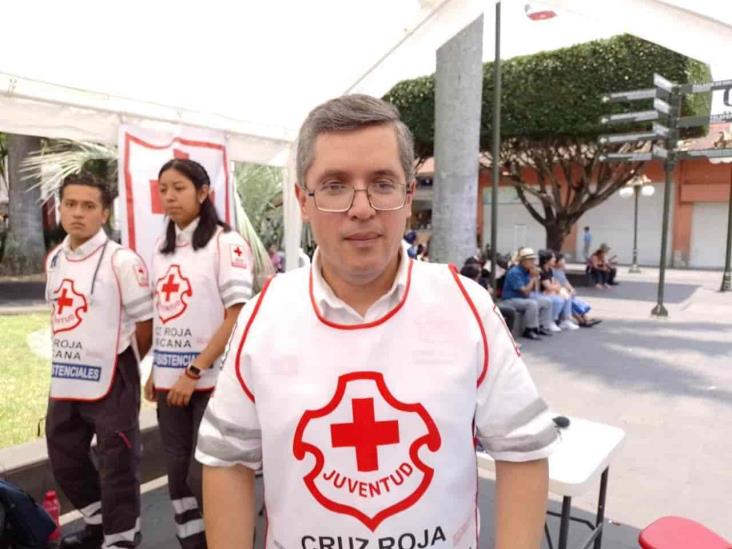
column 27, row 465
column 24, row 309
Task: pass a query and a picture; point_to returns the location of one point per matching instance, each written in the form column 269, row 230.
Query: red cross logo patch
column 366, row 450
column 239, row 254
column 68, row 305
column 171, row 291
column 141, row 274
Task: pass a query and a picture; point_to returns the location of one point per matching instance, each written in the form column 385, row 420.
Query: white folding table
column 582, row 456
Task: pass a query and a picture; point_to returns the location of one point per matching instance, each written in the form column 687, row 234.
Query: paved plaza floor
column 667, row 383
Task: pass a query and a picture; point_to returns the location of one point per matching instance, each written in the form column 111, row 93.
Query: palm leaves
column 65, row 157
column 262, row 264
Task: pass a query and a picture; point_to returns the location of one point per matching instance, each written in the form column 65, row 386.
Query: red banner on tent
column 142, row 153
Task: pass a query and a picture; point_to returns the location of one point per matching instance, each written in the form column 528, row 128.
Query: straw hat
column 524, row 253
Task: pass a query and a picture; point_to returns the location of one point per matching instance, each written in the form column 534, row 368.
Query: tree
column 551, row 107
column 24, row 247
column 261, row 190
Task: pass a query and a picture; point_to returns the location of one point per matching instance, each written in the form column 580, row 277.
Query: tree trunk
column 24, row 247
column 458, row 93
column 556, row 232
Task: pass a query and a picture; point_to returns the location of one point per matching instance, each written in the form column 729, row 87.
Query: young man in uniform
column 101, row 324
column 364, row 413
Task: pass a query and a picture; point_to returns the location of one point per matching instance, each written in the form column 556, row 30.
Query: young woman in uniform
column 201, row 277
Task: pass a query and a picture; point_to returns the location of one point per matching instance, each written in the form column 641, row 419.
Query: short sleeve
column 133, row 279
column 235, row 268
column 511, row 281
column 230, row 433
column 512, row 421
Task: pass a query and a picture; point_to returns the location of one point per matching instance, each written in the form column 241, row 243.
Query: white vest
column 188, row 311
column 85, row 326
column 367, row 431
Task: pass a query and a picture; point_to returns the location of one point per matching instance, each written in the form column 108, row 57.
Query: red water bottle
column 53, row 508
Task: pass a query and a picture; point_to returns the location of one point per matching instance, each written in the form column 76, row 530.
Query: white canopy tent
column 253, row 70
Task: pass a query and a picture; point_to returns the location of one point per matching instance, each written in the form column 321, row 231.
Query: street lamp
column 640, row 184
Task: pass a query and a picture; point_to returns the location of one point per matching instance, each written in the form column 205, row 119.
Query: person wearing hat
column 521, row 282
column 602, row 270
column 363, row 416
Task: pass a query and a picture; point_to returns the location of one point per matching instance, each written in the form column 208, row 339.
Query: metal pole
column 600, row 519
column 659, row 310
column 496, row 173
column 675, row 102
column 564, row 522
column 634, row 267
column 727, row 276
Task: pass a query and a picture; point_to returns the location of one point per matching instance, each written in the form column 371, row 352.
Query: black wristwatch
column 194, row 370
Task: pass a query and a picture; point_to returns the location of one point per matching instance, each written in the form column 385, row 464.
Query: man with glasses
column 363, row 414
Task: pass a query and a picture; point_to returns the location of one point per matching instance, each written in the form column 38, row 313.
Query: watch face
column 194, row 370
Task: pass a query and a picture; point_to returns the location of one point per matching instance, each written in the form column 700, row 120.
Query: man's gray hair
column 351, row 112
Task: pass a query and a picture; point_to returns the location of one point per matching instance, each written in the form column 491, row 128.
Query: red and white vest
column 85, row 326
column 188, row 311
column 367, row 430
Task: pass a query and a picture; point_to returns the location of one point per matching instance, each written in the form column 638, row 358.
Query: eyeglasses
column 337, row 197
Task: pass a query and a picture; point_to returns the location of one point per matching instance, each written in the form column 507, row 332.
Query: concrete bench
column 578, row 277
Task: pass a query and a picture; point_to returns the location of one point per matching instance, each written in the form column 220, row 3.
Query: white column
column 458, row 96
column 291, row 213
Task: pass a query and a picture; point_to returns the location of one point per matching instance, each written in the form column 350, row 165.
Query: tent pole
column 496, row 173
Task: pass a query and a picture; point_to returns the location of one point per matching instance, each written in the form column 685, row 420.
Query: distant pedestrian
column 586, row 243
column 277, row 257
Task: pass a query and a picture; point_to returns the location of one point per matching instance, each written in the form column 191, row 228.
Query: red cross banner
column 142, row 152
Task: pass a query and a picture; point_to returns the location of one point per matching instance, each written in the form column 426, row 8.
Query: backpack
column 26, row 524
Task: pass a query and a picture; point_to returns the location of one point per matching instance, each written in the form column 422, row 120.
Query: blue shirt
column 560, row 275
column 516, row 278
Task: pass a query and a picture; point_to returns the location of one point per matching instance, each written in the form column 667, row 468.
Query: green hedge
column 558, row 93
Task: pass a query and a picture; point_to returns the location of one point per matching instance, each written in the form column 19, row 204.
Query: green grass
column 24, row 379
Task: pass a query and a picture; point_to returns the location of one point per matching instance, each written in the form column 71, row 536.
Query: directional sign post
column 667, row 97
column 666, row 108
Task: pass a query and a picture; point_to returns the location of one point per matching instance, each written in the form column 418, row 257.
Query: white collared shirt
column 338, row 311
column 84, row 249
column 509, row 386
column 297, row 356
column 185, row 235
column 130, row 273
column 193, row 288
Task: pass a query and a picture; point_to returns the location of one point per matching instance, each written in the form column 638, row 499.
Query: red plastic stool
column 680, row 533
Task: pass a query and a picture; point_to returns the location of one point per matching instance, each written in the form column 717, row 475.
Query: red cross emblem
column 171, row 289
column 365, row 434
column 365, row 450
column 239, row 254
column 67, row 307
column 141, row 275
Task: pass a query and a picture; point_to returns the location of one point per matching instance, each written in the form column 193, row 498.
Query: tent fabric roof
column 254, row 69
